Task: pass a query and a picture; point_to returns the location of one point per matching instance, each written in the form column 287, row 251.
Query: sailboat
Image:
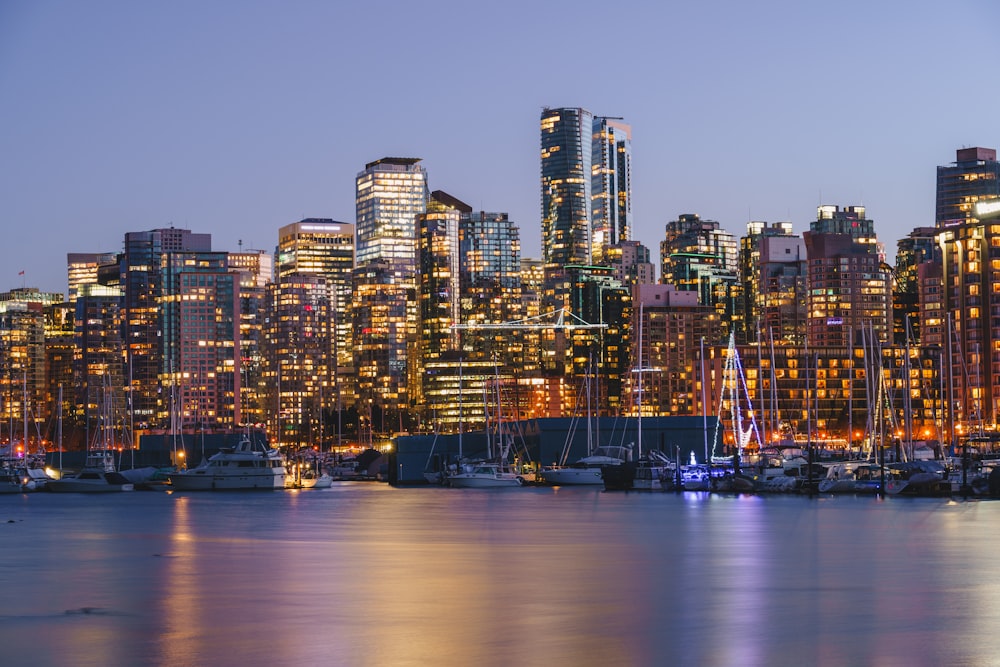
column 495, row 472
column 649, row 470
column 99, row 474
column 586, row 471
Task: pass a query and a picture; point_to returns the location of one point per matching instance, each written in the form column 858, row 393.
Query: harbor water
column 366, row 574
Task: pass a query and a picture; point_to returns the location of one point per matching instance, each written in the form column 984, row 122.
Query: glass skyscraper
column 567, row 186
column 390, row 194
column 612, row 186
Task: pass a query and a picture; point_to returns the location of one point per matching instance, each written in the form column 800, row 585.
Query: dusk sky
column 235, row 118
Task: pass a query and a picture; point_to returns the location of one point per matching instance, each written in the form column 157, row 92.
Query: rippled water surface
column 364, row 574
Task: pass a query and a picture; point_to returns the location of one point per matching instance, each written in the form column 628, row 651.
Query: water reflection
column 366, row 574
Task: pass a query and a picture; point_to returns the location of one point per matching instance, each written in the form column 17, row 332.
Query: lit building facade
column 918, row 247
column 142, row 326
column 630, row 261
column 390, row 194
column 255, row 269
column 781, row 291
column 382, row 319
column 750, row 269
column 491, row 288
column 698, row 255
column 298, row 366
column 850, row 286
column 200, row 313
column 325, row 247
column 674, row 326
column 83, row 268
column 612, row 186
column 567, row 185
column 973, row 177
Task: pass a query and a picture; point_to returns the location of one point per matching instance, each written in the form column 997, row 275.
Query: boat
column 247, row 465
column 918, row 478
column 308, row 478
column 98, row 475
column 11, row 481
column 587, row 470
column 486, row 474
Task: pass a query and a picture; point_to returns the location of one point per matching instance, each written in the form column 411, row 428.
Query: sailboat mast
column 639, row 419
column 704, row 404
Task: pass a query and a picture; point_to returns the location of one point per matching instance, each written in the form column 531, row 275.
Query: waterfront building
column 199, row 306
column 612, row 186
column 698, row 255
column 849, row 282
column 141, row 283
column 491, row 285
column 24, row 373
column 390, row 195
column 970, row 275
column 781, row 290
column 751, row 263
column 532, row 282
column 917, row 248
column 60, row 350
column 973, row 177
column 325, row 247
column 298, row 359
column 99, row 371
column 384, row 325
column 674, row 326
column 255, row 269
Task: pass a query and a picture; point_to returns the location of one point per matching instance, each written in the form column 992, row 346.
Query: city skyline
column 236, row 120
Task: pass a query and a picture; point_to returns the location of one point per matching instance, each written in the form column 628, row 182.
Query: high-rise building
column 382, row 317
column 750, row 271
column 142, row 325
column 567, row 186
column 973, row 177
column 256, row 270
column 490, row 280
column 612, row 186
column 630, row 261
column 325, row 247
column 698, row 255
column 438, row 291
column 390, row 194
column 298, row 363
column 918, row 247
column 673, row 326
column 849, row 282
column 83, row 268
column 24, row 373
column 200, row 313
column 781, row 291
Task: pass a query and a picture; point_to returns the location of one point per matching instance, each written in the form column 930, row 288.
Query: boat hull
column 469, row 481
column 82, row 486
column 573, row 476
column 198, row 480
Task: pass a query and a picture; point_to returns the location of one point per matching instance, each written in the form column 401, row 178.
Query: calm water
column 363, row 574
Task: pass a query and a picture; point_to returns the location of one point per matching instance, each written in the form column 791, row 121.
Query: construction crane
column 537, row 322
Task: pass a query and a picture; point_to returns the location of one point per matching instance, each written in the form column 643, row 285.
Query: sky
column 236, row 118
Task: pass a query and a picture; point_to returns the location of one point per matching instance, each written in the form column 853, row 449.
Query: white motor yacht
column 248, row 465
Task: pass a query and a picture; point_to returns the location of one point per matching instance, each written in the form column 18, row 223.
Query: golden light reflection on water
column 363, row 574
